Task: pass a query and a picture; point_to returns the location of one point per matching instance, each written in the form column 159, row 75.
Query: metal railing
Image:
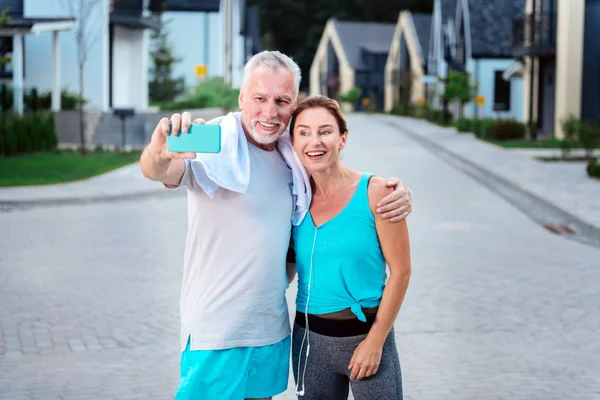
column 535, row 34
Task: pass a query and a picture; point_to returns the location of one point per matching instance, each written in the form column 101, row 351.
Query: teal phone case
column 200, row 138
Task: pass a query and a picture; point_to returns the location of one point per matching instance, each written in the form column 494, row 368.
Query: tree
column 458, row 88
column 87, row 34
column 4, row 19
column 163, row 87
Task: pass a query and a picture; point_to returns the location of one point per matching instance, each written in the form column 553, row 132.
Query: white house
column 116, row 72
column 473, row 36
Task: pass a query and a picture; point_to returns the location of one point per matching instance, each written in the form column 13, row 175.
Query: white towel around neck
column 230, row 168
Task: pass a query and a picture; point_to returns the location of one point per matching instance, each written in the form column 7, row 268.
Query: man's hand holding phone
column 178, row 124
column 178, row 138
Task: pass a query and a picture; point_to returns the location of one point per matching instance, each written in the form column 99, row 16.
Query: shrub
column 486, row 125
column 437, row 116
column 463, row 125
column 50, row 132
column 352, row 96
column 398, row 109
column 26, row 134
column 533, row 130
column 593, row 169
column 566, row 145
column 506, row 129
column 20, row 130
column 588, row 137
column 35, row 101
column 214, row 92
column 480, row 127
column 35, row 132
column 373, row 106
column 570, row 127
column 422, row 111
column 401, row 109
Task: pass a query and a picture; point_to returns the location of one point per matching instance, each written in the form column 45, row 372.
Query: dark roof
column 448, row 10
column 422, row 24
column 135, row 21
column 15, row 7
column 183, row 5
column 17, row 22
column 491, row 26
column 372, row 36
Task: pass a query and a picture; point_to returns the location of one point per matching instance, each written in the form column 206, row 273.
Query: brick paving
column 498, row 307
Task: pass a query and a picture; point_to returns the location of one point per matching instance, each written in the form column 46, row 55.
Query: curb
column 546, row 214
column 9, row 205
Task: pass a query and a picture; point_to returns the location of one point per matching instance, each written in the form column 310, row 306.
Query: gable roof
column 374, row 37
column 422, row 23
column 491, row 26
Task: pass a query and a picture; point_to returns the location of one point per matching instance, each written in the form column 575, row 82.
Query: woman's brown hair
column 320, row 102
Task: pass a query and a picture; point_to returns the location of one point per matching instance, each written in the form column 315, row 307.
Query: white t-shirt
column 234, row 277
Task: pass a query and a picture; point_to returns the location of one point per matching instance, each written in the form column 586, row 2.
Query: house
column 556, row 45
column 116, row 66
column 199, row 37
column 472, row 36
column 116, row 72
column 410, row 60
column 351, row 54
column 422, row 46
column 488, row 53
column 13, row 35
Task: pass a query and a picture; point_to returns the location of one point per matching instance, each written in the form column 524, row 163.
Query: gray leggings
column 327, row 374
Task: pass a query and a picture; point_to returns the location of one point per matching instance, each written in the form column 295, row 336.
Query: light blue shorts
column 234, row 374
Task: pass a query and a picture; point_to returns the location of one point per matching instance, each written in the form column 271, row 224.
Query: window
column 501, row 92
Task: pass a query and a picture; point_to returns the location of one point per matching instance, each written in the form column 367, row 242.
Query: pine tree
column 4, row 19
column 163, row 87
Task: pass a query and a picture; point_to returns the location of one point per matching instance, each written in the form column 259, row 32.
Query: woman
column 343, row 333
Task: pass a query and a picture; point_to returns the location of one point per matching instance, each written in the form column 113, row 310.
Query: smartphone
column 200, row 138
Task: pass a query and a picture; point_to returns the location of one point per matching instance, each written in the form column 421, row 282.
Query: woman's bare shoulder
column 378, row 189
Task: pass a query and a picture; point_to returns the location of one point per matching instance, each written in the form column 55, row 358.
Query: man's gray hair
column 273, row 60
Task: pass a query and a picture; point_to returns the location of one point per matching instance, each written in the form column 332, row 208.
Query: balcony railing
column 535, row 35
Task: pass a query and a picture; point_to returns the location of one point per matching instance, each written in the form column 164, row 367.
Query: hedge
column 26, row 134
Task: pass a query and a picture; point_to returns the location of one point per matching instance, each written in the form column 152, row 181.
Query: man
column 235, row 331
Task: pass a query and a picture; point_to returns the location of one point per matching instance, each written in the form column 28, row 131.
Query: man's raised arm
column 159, row 164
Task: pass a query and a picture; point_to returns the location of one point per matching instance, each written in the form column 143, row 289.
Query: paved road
column 498, row 308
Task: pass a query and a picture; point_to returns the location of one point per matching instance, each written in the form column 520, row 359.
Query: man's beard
column 265, row 139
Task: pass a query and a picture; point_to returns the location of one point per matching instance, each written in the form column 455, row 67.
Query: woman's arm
column 395, row 246
column 396, row 205
column 396, row 250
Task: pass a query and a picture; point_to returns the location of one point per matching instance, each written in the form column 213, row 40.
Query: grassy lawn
column 530, row 144
column 60, row 166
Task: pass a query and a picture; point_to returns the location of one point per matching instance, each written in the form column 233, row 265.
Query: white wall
column 569, row 61
column 130, row 68
column 38, row 53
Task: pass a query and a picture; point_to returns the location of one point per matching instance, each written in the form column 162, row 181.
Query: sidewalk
column 565, row 185
column 123, row 182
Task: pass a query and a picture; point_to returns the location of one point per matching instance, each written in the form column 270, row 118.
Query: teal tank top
column 340, row 263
